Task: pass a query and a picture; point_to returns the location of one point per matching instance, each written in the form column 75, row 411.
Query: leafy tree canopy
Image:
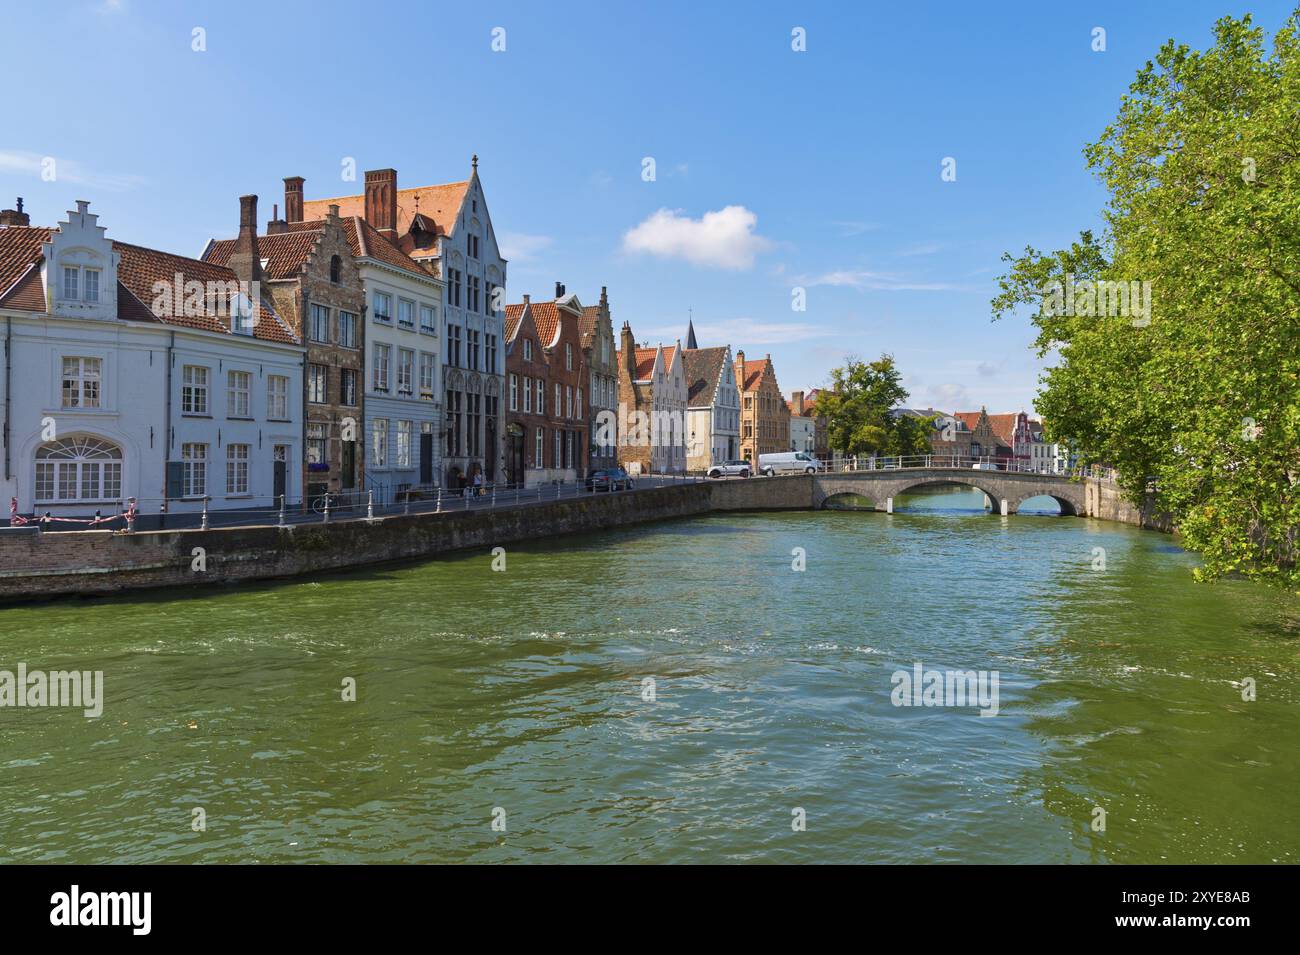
column 856, row 407
column 1199, row 397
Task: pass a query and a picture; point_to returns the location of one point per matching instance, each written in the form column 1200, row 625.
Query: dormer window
column 241, row 315
column 91, row 290
column 70, row 282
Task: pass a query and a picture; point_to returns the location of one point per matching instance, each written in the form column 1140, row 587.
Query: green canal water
column 522, row 693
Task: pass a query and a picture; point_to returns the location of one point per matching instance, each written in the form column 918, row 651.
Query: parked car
column 609, row 479
column 984, row 466
column 730, row 469
column 788, row 462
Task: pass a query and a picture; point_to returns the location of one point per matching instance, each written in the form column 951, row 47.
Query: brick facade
column 764, row 415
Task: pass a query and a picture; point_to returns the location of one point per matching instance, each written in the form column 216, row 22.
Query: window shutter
column 175, row 479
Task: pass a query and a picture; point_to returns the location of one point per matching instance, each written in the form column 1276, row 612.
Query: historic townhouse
column 602, row 368
column 807, row 429
column 713, row 403
column 764, row 415
column 821, row 436
column 447, row 230
column 546, row 374
column 134, row 373
column 652, row 405
column 987, row 434
column 802, row 429
column 405, row 422
column 313, row 279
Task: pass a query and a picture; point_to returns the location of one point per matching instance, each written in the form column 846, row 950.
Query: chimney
column 276, row 225
column 796, row 402
column 525, row 298
column 604, row 297
column 628, row 347
column 14, row 216
column 246, row 263
column 293, row 198
column 740, row 369
column 559, row 290
column 381, row 201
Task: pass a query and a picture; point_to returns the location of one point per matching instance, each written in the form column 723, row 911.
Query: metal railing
column 366, row 504
column 157, row 513
column 937, row 461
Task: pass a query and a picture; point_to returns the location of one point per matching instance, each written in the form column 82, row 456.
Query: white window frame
column 235, row 393
column 237, row 456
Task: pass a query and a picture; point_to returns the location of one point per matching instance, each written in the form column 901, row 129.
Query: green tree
column 856, row 406
column 1200, row 401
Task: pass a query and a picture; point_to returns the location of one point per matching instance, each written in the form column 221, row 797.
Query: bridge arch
column 880, row 486
column 1071, row 505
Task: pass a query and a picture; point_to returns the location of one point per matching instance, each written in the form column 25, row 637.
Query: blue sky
column 821, row 168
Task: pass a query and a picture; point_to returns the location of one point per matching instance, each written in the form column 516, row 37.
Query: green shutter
column 175, row 479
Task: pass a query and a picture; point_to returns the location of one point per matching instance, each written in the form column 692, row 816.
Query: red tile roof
column 285, row 253
column 645, row 363
column 1003, row 425
column 140, row 269
column 441, row 203
column 514, row 315
column 20, row 248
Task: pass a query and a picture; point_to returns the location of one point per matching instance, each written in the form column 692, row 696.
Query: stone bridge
column 1006, row 489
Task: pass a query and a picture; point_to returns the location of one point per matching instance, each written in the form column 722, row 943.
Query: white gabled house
column 133, row 373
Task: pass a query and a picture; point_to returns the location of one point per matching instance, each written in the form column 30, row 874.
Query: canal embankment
column 35, row 566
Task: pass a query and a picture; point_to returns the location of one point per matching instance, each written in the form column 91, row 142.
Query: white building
column 713, row 406
column 803, row 433
column 446, row 229
column 668, row 419
column 128, row 377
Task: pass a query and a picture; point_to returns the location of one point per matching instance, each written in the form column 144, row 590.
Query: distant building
column 764, row 415
column 652, row 406
column 600, row 349
column 547, row 425
column 713, row 406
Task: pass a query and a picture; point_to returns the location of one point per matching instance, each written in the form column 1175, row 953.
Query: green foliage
column 1202, row 166
column 856, row 407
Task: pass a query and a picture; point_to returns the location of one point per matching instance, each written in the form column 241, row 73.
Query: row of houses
column 1010, row 440
column 355, row 345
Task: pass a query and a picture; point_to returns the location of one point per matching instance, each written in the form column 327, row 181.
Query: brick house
column 599, row 348
column 313, row 279
column 547, row 425
column 447, row 230
column 764, row 415
column 991, row 436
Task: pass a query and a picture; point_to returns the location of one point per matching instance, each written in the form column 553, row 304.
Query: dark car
column 610, row 479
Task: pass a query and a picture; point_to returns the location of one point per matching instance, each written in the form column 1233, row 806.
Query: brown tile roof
column 1003, row 425
column 587, row 324
column 754, row 371
column 547, row 319
column 20, row 248
column 28, row 293
column 514, row 315
column 645, row 363
column 140, row 268
column 703, row 369
column 441, row 203
column 285, row 253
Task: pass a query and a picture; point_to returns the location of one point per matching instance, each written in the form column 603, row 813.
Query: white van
column 788, row 462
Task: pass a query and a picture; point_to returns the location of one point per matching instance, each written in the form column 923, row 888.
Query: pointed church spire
column 690, row 332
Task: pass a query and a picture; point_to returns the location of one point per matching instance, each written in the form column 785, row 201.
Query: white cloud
column 520, row 247
column 65, row 171
column 877, row 282
column 921, row 248
column 724, row 239
column 950, row 397
column 986, row 369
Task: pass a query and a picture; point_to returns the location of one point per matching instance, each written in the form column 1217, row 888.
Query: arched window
column 78, row 469
column 336, row 267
